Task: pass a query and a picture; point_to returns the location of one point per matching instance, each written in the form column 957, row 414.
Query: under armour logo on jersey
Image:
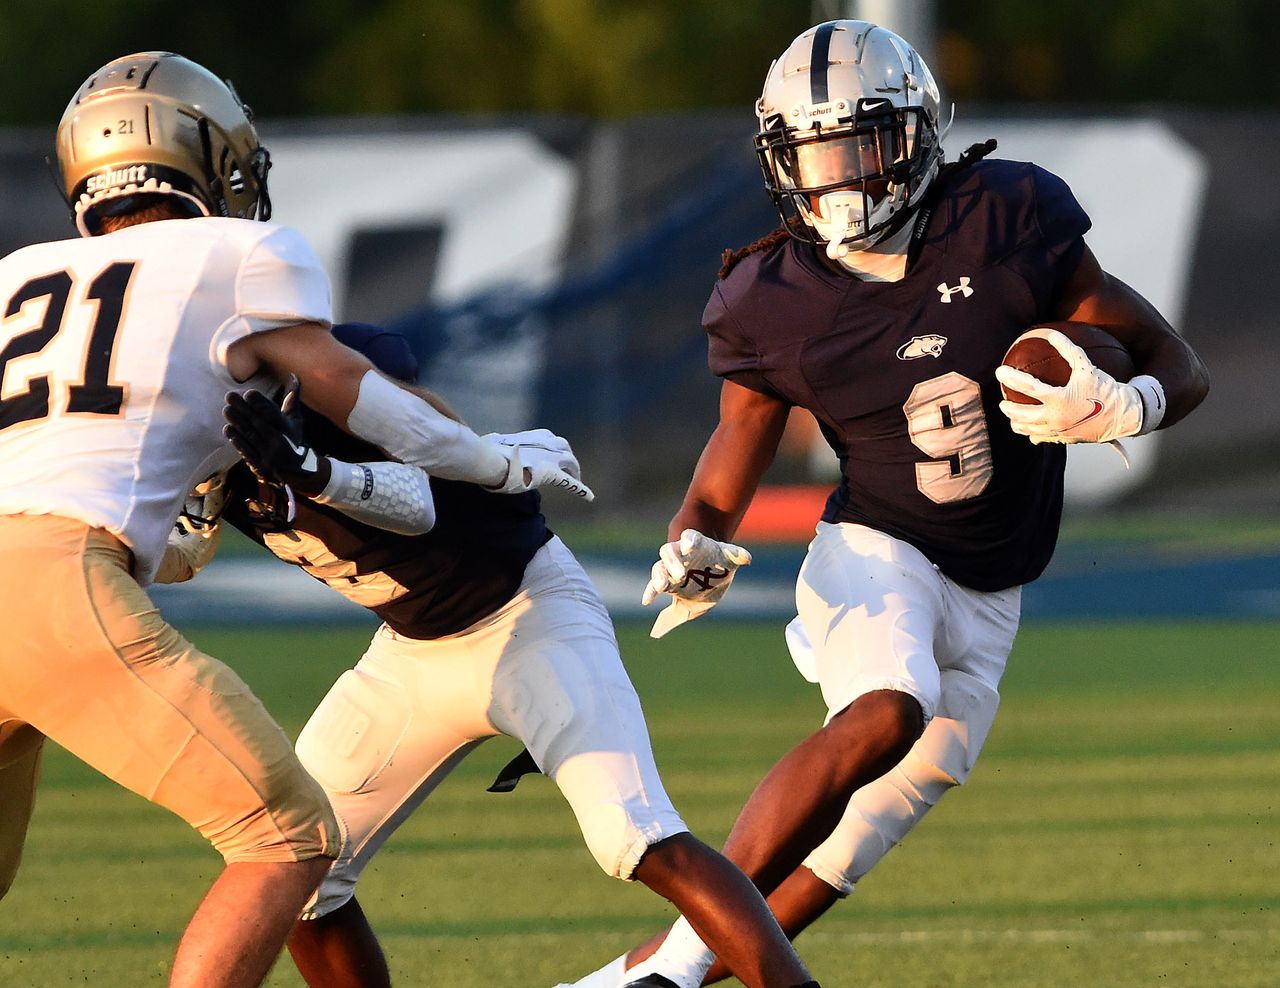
column 963, row 288
column 704, row 578
column 922, row 346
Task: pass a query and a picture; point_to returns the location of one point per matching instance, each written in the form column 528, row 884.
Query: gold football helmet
column 156, row 123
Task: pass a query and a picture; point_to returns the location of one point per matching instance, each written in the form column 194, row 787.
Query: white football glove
column 1092, row 407
column 194, row 538
column 539, row 458
column 204, row 505
column 695, row 571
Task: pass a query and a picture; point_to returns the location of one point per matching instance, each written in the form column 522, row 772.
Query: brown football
column 1034, row 355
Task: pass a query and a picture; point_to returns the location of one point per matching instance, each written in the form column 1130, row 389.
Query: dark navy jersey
column 901, row 375
column 423, row 586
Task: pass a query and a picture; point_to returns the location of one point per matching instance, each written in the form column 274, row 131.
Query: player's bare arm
column 696, row 567
column 735, row 458
column 1094, row 296
column 329, row 372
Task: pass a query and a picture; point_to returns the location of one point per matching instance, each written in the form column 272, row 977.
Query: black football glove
column 271, row 441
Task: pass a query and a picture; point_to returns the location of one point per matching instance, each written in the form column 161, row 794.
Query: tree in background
column 1129, row 51
column 621, row 58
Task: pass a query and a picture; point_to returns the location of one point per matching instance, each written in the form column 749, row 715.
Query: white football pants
column 875, row 614
column 543, row 669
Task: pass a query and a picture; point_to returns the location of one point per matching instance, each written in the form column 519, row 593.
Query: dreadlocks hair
column 730, row 257
column 971, row 156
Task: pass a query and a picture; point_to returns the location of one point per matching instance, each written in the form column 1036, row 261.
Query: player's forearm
column 719, row 493
column 1100, row 298
column 1181, row 373
column 705, row 518
column 732, row 464
column 342, row 385
column 413, row 432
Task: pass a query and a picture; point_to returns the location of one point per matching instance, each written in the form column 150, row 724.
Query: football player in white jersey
column 116, row 353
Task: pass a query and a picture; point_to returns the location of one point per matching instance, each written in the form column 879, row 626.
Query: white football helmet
column 156, row 124
column 849, row 134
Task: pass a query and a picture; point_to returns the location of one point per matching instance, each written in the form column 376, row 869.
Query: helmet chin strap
column 844, row 214
column 885, row 260
column 840, row 215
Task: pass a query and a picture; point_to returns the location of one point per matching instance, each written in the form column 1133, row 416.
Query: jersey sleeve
column 730, row 353
column 280, row 282
column 1063, row 223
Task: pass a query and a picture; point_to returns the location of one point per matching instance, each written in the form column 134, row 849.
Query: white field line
column 964, row 936
column 1036, row 936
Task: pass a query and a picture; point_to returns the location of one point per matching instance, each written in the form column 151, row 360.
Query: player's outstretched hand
column 539, row 458
column 270, row 439
column 1092, row 407
column 204, row 505
column 193, row 540
column 695, row 572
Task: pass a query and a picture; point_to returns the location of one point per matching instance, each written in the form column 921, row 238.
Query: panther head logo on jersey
column 156, row 124
column 922, row 346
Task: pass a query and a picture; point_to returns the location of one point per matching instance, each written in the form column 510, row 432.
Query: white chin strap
column 841, row 216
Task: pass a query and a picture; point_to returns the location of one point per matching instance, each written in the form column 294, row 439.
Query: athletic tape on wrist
column 1154, row 404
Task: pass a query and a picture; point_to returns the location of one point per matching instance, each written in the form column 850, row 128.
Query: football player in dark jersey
column 490, row 626
column 883, row 306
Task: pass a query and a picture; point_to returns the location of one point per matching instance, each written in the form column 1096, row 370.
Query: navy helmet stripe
column 820, row 62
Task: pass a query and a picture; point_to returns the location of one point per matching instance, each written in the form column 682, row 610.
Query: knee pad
column 967, row 708
column 611, row 839
column 620, row 805
column 882, row 813
column 335, row 891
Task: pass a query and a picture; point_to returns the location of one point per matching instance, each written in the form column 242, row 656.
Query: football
column 1034, row 355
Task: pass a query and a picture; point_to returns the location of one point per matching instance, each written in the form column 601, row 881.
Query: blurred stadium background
column 537, row 193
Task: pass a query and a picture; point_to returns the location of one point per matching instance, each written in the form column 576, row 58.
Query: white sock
column 683, row 958
column 612, row 975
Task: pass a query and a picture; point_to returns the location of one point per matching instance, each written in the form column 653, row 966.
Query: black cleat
column 652, row 981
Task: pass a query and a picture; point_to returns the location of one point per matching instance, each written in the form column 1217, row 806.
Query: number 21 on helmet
column 157, row 124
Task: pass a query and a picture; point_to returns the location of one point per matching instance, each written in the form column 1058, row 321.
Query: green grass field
column 1121, row 829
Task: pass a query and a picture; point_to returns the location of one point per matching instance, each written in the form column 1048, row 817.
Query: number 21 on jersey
column 93, row 393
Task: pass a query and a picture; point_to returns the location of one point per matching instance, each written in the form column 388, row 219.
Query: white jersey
column 113, row 365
